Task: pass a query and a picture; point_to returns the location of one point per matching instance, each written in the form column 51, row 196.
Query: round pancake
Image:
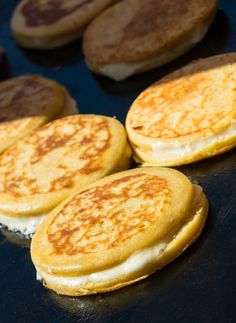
column 187, row 115
column 111, row 221
column 46, row 24
column 136, row 35
column 26, row 103
column 57, row 159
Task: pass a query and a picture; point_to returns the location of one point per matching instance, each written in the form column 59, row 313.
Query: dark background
column 197, row 287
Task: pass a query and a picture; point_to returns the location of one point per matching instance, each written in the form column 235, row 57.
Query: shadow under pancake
column 70, row 54
column 147, row 290
column 4, row 68
column 213, row 166
column 16, row 238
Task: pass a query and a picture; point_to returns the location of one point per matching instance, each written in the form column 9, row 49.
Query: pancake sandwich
column 118, row 230
column 26, row 103
column 133, row 36
column 186, row 116
column 46, row 167
column 46, row 24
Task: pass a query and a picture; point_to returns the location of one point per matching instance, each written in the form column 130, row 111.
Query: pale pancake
column 26, row 103
column 118, row 230
column 187, row 115
column 137, row 35
column 56, row 160
column 46, row 24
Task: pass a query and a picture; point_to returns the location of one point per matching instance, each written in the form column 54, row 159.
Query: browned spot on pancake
column 61, row 166
column 38, row 14
column 86, row 140
column 83, row 139
column 49, row 144
column 65, row 181
column 56, row 140
column 138, row 128
column 107, row 216
column 149, row 18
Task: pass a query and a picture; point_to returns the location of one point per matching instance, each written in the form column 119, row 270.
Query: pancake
column 55, row 161
column 47, row 24
column 138, row 35
column 118, row 230
column 186, row 116
column 26, row 103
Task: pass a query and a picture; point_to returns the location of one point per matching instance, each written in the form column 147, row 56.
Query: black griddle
column 199, row 286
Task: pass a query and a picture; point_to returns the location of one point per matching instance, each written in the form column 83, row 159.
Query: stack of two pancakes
column 186, row 116
column 47, row 24
column 118, row 230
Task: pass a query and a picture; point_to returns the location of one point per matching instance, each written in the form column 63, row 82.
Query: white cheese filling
column 133, row 264
column 27, row 225
column 162, row 150
column 120, row 71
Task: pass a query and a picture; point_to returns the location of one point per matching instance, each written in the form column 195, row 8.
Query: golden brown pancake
column 187, row 115
column 118, row 230
column 137, row 35
column 46, row 24
column 43, row 169
column 28, row 102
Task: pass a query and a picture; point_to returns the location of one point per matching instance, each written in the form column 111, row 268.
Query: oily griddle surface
column 200, row 285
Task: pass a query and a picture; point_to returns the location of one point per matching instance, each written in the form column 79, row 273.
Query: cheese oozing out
column 134, row 263
column 164, row 151
column 121, row 71
column 27, row 225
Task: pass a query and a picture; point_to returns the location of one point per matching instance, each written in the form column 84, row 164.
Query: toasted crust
column 134, row 30
column 48, row 24
column 26, row 103
column 192, row 105
column 189, row 224
column 44, row 168
column 114, row 205
column 145, row 159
